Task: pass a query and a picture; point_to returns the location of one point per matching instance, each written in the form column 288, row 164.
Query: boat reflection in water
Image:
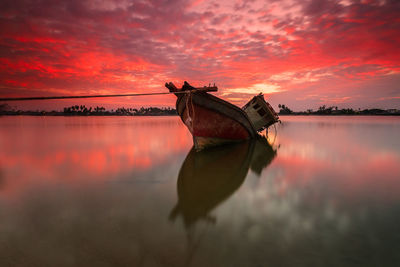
column 209, row 177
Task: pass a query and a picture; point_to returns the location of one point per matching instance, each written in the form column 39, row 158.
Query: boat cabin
column 260, row 113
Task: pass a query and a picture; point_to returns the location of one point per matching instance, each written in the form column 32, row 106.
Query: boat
column 213, row 121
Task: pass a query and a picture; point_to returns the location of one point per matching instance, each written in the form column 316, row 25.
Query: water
column 128, row 191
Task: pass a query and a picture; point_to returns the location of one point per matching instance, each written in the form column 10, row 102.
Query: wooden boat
column 213, row 121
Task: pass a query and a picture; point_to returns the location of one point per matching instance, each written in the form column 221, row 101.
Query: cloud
column 119, row 46
column 256, row 89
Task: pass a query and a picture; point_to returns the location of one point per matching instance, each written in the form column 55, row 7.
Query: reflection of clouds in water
column 342, row 136
column 112, row 224
column 303, row 150
column 320, row 202
column 330, row 195
column 307, row 223
column 82, row 149
column 257, row 211
column 161, row 174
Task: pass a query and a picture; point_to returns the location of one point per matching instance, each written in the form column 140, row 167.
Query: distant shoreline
column 82, row 110
column 335, row 111
column 80, row 115
column 339, row 115
column 61, row 114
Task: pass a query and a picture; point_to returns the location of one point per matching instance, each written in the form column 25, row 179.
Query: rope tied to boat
column 189, row 105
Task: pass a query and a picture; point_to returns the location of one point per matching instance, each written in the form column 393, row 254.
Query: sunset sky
column 300, row 53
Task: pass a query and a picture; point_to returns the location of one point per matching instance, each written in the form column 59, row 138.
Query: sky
column 303, row 54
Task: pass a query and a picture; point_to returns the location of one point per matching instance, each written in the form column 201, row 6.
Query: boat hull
column 213, row 121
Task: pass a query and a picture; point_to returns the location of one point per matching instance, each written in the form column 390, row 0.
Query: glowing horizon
column 303, row 54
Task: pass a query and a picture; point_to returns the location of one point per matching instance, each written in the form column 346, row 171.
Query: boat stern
column 260, row 113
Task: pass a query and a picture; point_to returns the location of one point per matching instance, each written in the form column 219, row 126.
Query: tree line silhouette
column 82, row 110
column 334, row 110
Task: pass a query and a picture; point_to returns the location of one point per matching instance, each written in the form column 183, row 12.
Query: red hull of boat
column 213, row 121
column 203, row 122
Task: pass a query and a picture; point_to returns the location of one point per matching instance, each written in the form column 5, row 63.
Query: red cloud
column 79, row 47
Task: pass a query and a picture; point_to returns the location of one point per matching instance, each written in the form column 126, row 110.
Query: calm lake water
column 129, row 191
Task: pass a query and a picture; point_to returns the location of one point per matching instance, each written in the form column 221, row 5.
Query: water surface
column 130, row 191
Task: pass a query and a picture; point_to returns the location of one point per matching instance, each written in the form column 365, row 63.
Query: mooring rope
column 189, row 98
column 96, row 96
column 193, row 112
